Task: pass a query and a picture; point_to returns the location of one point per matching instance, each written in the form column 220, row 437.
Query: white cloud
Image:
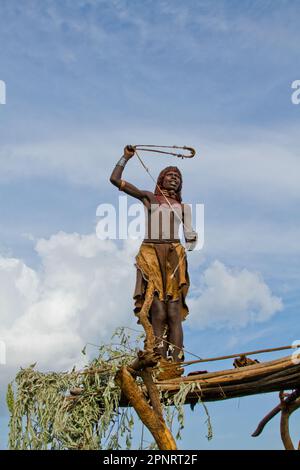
column 81, row 293
column 231, row 298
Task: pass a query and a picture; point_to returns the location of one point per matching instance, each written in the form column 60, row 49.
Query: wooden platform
column 273, row 376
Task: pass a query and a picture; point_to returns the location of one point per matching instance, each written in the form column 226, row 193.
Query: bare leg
column 175, row 329
column 159, row 319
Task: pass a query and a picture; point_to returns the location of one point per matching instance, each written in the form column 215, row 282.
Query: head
column 170, row 178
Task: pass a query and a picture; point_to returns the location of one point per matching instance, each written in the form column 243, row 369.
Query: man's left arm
column 190, row 235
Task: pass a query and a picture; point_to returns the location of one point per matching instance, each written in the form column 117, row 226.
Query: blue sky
column 86, row 77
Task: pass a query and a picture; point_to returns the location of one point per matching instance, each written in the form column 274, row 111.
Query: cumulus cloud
column 80, row 293
column 231, row 298
column 83, row 289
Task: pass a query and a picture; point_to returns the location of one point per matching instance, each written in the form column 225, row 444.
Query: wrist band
column 122, row 162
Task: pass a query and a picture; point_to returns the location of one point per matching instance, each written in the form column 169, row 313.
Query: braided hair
column 160, row 180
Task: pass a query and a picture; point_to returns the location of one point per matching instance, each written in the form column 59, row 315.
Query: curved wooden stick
column 288, row 404
column 291, row 397
column 153, row 148
column 153, row 420
column 287, row 410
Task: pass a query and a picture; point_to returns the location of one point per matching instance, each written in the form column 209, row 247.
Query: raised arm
column 116, row 176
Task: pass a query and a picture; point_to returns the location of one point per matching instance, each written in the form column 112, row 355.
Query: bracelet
column 122, row 162
column 122, row 185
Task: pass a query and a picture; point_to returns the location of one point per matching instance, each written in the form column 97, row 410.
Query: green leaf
column 10, row 400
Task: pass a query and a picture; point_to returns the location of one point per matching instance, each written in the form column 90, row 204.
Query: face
column 171, row 180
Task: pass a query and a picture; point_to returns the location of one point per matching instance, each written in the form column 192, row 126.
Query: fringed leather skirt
column 165, row 264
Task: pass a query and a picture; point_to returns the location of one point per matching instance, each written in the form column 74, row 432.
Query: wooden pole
column 149, row 416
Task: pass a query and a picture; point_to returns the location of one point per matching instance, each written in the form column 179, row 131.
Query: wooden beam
column 273, row 376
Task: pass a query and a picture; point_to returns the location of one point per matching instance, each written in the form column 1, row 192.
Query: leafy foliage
column 45, row 415
column 174, row 409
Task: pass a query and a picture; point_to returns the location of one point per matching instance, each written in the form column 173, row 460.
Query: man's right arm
column 116, row 176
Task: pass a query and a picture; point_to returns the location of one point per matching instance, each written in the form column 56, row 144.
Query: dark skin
column 161, row 313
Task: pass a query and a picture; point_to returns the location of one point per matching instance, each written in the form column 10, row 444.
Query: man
column 162, row 257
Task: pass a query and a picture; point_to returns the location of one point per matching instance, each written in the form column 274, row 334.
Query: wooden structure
column 272, row 376
column 279, row 375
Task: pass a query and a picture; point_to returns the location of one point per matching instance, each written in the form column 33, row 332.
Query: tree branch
column 149, row 417
column 291, row 397
column 287, row 410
